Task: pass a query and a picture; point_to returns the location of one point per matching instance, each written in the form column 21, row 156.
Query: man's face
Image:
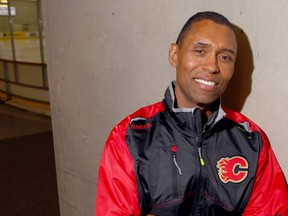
column 204, row 63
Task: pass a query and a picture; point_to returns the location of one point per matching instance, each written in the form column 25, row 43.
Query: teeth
column 208, row 83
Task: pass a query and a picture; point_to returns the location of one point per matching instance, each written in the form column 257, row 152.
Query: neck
column 206, row 113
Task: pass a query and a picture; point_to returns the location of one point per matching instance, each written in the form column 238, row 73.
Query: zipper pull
column 202, row 162
column 174, row 150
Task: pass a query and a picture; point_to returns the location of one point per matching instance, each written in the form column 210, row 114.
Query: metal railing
column 24, row 80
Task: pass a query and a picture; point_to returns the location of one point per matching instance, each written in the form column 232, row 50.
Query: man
column 188, row 155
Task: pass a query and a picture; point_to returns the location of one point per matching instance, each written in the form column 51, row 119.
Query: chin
column 205, row 103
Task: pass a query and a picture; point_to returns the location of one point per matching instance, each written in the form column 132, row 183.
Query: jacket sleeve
column 270, row 193
column 116, row 191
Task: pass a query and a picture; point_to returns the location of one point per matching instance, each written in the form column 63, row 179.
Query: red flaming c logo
column 234, row 169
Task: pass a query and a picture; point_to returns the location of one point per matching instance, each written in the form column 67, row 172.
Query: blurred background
column 28, row 184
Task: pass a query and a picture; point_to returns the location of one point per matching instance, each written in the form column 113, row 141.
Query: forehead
column 211, row 32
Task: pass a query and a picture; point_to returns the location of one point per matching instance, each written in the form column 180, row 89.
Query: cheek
column 227, row 75
column 189, row 66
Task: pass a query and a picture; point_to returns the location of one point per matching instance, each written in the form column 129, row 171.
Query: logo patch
column 234, row 169
column 141, row 126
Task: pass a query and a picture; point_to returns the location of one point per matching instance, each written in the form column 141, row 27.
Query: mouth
column 205, row 82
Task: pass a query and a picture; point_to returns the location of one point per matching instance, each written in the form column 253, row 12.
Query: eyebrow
column 203, row 44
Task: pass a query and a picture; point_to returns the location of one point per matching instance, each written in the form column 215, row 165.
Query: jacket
column 162, row 160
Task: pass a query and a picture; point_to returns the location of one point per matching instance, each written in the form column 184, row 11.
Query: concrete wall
column 107, row 58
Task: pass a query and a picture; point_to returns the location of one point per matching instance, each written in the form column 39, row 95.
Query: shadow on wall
column 240, row 85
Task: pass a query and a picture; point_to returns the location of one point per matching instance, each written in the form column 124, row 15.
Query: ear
column 173, row 53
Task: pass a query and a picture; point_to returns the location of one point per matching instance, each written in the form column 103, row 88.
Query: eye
column 226, row 58
column 200, row 51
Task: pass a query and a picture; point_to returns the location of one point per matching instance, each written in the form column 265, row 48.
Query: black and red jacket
column 161, row 160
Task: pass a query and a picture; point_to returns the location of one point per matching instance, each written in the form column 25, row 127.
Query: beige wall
column 106, row 58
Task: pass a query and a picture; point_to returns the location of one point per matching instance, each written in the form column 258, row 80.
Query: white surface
column 27, row 50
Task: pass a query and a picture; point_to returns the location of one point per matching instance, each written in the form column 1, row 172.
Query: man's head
column 208, row 15
column 204, row 57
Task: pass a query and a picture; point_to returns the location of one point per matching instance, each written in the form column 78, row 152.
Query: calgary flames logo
column 234, row 169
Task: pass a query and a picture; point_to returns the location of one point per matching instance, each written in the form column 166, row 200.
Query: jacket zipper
column 201, row 159
column 202, row 162
column 174, row 150
column 176, row 168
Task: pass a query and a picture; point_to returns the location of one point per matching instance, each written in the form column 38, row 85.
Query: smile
column 204, row 82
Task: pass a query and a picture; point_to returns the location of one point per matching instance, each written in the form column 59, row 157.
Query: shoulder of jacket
column 146, row 112
column 241, row 119
column 142, row 113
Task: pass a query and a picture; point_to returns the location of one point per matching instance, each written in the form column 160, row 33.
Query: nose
column 210, row 64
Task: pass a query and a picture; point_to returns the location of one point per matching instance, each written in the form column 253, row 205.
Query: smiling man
column 188, row 155
column 204, row 63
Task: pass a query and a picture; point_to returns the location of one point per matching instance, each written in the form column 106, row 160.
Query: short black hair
column 206, row 15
